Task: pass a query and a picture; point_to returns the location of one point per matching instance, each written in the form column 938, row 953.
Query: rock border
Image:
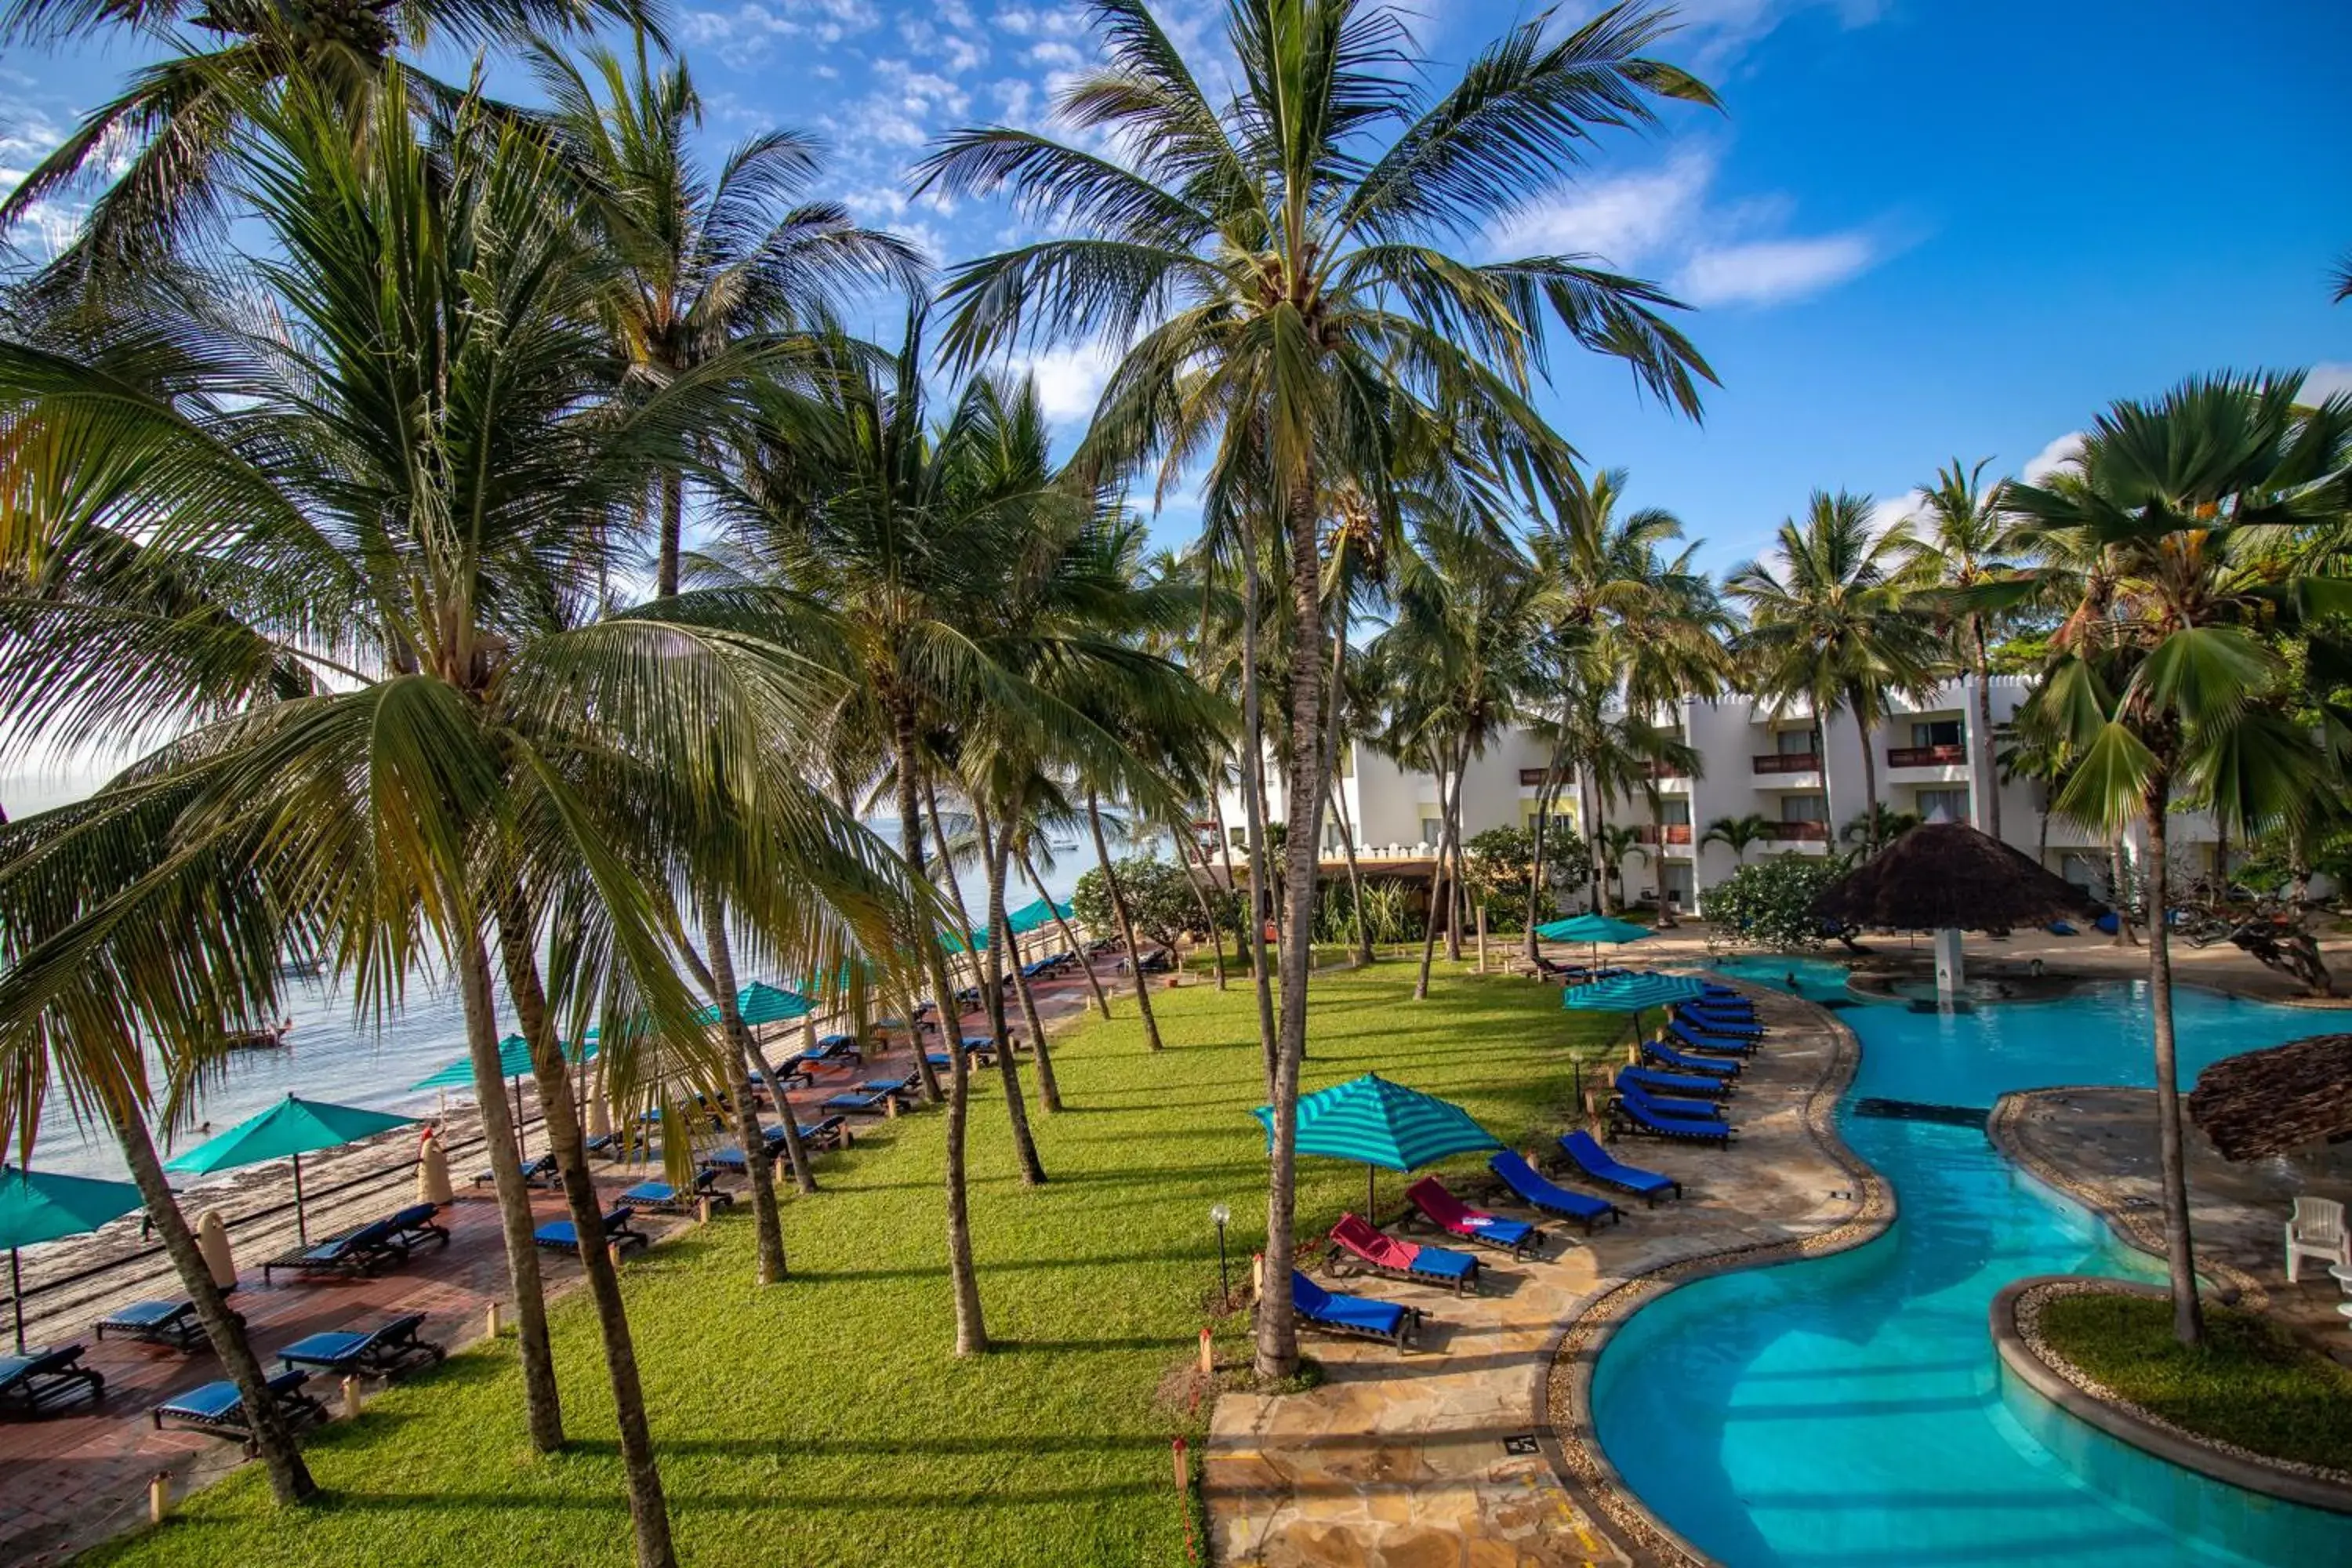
column 2016, row 1321
column 1564, row 1401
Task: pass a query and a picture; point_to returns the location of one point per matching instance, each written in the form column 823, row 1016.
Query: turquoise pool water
column 1815, row 979
column 1849, row 1410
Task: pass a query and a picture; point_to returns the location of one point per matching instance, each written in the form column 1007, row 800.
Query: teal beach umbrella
column 288, row 1130
column 38, row 1206
column 1593, row 928
column 1635, row 994
column 1382, row 1124
column 514, row 1065
column 1035, row 916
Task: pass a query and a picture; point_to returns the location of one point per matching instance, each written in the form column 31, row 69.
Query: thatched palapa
column 2266, row 1102
column 1947, row 876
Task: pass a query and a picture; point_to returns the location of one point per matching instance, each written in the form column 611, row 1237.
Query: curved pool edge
column 1564, row 1380
column 2127, row 1424
column 2230, row 1286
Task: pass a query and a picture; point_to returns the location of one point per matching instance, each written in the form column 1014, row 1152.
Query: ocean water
column 1850, row 1410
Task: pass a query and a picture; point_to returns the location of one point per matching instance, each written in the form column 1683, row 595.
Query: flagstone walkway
column 1445, row 1457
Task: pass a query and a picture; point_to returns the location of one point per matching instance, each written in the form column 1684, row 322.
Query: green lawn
column 2251, row 1385
column 822, row 1420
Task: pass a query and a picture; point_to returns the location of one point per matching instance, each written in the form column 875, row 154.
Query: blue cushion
column 146, row 1314
column 1508, row 1232
column 1320, row 1306
column 327, row 1347
column 656, row 1192
column 1443, row 1263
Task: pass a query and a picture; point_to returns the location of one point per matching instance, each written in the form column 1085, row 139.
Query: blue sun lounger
column 662, row 1197
column 384, row 1352
column 859, row 1103
column 1668, row 1105
column 1693, row 1039
column 1741, row 1027
column 1689, row 1086
column 559, row 1236
column 1529, row 1186
column 1356, row 1245
column 1360, row 1317
column 31, row 1382
column 1665, row 1056
column 1585, row 1153
column 388, row 1241
column 219, row 1409
column 171, row 1323
column 1629, row 1113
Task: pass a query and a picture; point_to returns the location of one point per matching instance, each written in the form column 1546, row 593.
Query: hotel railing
column 1676, row 833
column 1800, row 831
column 1926, row 756
column 1788, row 762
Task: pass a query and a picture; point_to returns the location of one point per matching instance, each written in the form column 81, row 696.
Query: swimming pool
column 1815, row 979
column 1850, row 1409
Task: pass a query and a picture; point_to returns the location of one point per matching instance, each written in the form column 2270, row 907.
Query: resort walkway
column 1444, row 1457
column 75, row 1477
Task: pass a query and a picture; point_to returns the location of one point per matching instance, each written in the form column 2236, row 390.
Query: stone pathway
column 2098, row 1145
column 1447, row 1457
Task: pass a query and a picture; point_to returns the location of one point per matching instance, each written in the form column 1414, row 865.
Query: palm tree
column 702, row 262
column 1832, row 629
column 1614, row 842
column 1276, row 272
column 168, row 130
column 2168, row 678
column 1739, row 833
column 1961, row 544
column 404, row 480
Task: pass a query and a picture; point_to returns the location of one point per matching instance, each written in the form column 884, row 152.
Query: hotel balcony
column 1922, row 764
column 1677, row 836
column 1785, row 770
column 1799, row 834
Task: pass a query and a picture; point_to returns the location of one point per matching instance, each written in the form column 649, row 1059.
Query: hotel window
column 1433, row 829
column 1935, row 732
column 1674, row 813
column 1803, row 808
column 1944, row 805
column 1794, row 742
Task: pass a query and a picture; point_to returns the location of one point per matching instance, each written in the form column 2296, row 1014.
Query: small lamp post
column 1219, row 1215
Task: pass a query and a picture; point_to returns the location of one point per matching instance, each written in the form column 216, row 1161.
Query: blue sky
column 1920, row 230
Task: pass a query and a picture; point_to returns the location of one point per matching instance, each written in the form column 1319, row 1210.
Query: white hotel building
column 1753, row 759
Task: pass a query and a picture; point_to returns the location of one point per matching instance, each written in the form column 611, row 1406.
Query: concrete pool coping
column 1565, row 1395
column 2012, row 1316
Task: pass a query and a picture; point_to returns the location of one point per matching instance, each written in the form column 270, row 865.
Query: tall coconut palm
column 2168, row 678
column 1830, row 627
column 1739, row 833
column 1276, row 270
column 404, row 480
column 1961, row 543
column 154, row 148
column 703, row 261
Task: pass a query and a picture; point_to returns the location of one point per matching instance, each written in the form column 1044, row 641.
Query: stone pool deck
column 2098, row 1146
column 1448, row 1454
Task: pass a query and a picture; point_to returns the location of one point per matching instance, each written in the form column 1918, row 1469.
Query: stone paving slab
column 1400, row 1461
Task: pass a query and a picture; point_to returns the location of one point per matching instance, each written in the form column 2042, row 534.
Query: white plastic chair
column 2316, row 1231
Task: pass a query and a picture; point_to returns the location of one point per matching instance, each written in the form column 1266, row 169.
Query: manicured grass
column 822, row 1420
column 2251, row 1385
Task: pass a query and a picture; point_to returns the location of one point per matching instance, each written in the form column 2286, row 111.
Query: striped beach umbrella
column 1384, row 1124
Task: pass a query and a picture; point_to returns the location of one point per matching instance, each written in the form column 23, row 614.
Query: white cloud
column 1724, row 28
column 1625, row 220
column 1887, row 514
column 2057, row 455
column 2327, row 378
column 1054, row 52
column 747, row 33
column 1773, row 271
column 1069, row 380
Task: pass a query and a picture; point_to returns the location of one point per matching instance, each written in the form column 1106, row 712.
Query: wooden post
column 1257, row 1276
column 701, row 1212
column 351, row 1398
column 1482, row 938
column 1208, row 1354
column 612, row 1251
column 490, row 1321
column 890, row 1108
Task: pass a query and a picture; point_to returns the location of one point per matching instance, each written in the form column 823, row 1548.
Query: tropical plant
column 1961, row 542
column 398, row 489
column 701, row 263
column 1495, row 870
column 1739, row 833
column 1769, row 902
column 2166, row 676
column 1277, row 269
column 161, row 141
column 1616, row 843
column 1829, row 628
column 1879, row 826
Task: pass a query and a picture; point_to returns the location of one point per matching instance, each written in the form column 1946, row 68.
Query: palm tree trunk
column 1277, row 1331
column 673, row 524
column 1436, row 875
column 1327, row 786
column 971, row 1326
column 767, row 1218
column 648, row 1508
column 1077, row 948
column 542, row 1403
column 1000, row 937
column 1254, row 815
column 1546, row 793
column 1355, row 877
column 2116, row 873
column 1990, row 816
column 1126, row 925
column 1208, row 914
column 1456, row 898
column 290, row 1478
column 803, row 1166
column 1658, row 852
column 1049, row 1093
column 2179, row 1251
column 1869, row 788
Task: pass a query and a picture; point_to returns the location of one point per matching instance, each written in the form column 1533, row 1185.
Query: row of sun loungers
column 385, row 1351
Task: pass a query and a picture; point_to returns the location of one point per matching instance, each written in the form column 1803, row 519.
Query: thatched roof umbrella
column 2266, row 1102
column 1947, row 877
